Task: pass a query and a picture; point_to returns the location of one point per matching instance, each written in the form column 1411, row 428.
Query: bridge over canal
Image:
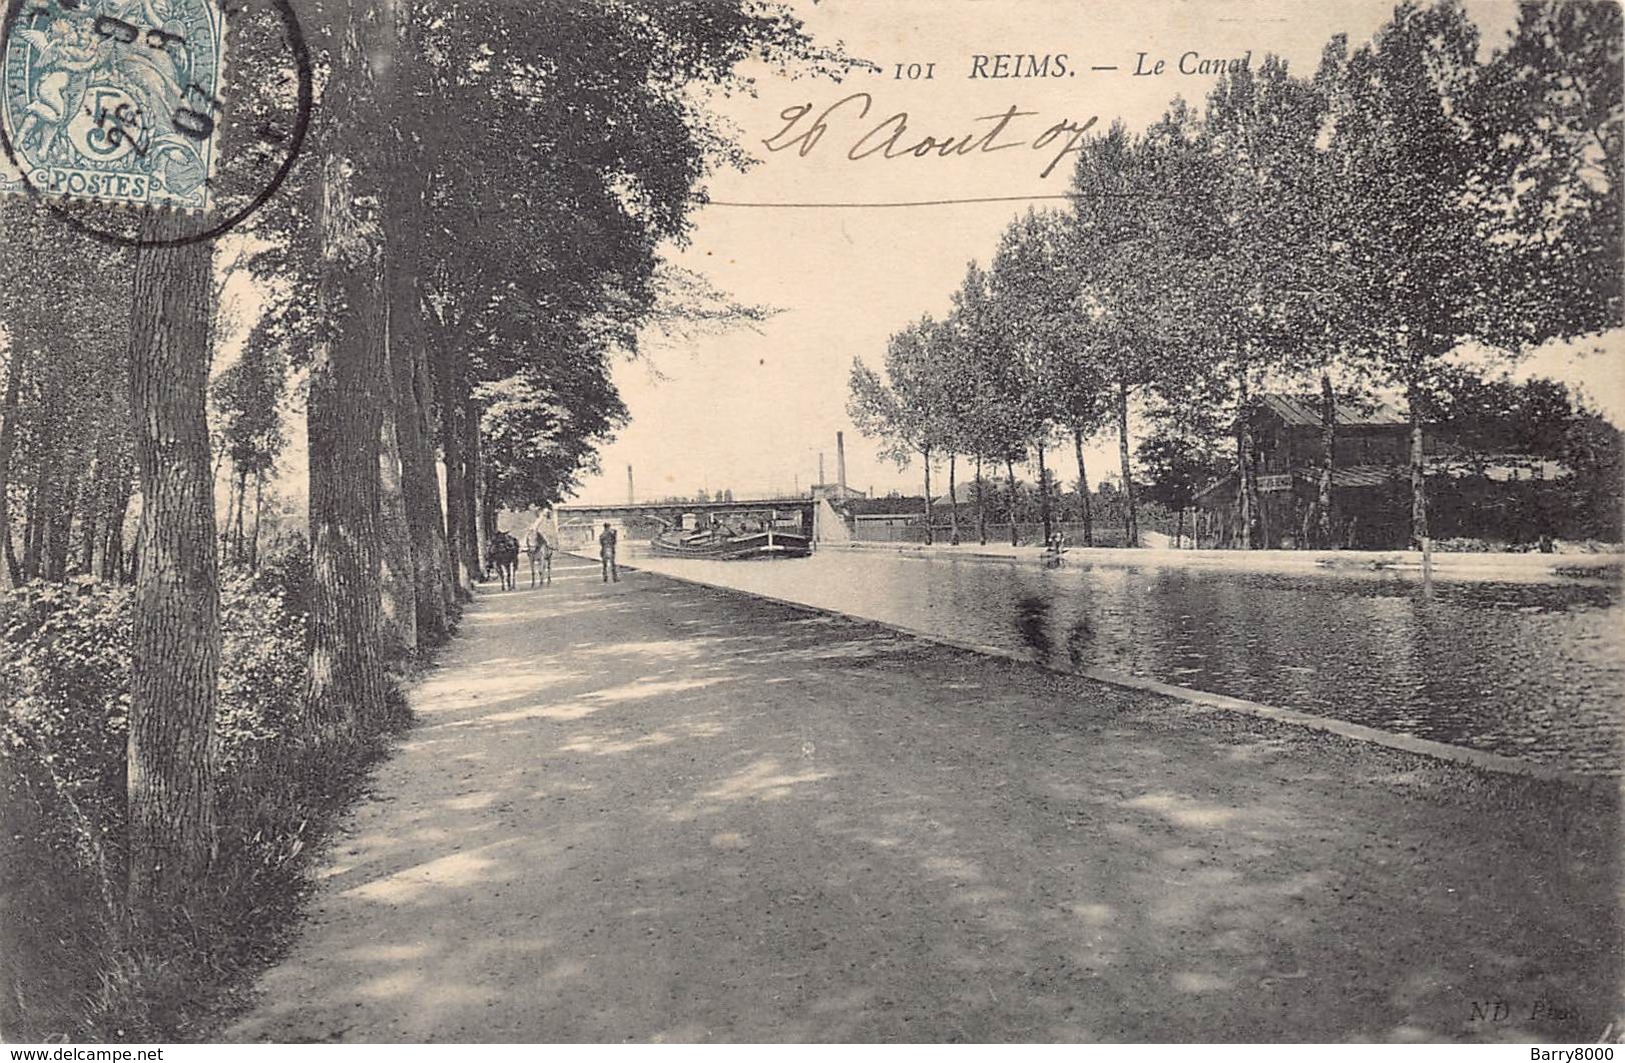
column 578, row 524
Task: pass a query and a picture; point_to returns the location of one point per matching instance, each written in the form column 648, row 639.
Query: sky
column 752, row 410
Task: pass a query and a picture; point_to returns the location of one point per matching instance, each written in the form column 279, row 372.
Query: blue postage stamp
column 113, row 100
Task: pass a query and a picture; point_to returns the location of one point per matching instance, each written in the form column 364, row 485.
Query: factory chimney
column 630, row 496
column 840, row 464
column 820, row 466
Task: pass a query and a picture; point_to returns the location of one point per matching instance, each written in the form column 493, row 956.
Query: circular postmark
column 108, row 103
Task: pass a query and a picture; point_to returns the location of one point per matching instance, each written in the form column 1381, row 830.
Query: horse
column 540, row 552
column 503, row 557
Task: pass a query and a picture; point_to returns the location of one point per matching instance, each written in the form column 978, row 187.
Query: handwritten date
column 894, row 138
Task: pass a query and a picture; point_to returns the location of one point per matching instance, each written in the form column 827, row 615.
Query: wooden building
column 1370, row 481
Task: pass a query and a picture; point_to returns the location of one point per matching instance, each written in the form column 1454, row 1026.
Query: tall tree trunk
column 90, row 508
column 41, row 501
column 1419, row 500
column 448, row 388
column 1010, row 471
column 474, row 536
column 90, row 525
column 489, row 512
column 981, row 504
column 1254, row 519
column 115, row 498
column 226, row 519
column 8, row 446
column 445, row 564
column 1131, row 521
column 1244, row 471
column 175, row 631
column 433, row 593
column 237, row 526
column 60, row 530
column 926, row 451
column 1266, row 538
column 31, row 531
column 1043, row 492
column 112, row 566
column 1328, row 462
column 397, row 582
column 1244, row 497
column 1179, row 527
column 1083, row 490
column 219, row 463
column 111, row 501
column 259, row 509
column 953, row 502
column 346, row 391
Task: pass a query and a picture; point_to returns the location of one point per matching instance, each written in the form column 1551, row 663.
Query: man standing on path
column 606, row 553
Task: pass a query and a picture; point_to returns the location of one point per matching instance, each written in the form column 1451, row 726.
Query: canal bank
column 1479, row 566
column 1513, row 674
column 1207, row 701
column 658, row 811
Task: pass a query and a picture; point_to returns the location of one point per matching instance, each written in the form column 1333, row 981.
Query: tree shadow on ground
column 650, row 811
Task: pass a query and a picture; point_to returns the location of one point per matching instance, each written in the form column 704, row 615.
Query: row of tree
column 1344, row 231
column 469, row 240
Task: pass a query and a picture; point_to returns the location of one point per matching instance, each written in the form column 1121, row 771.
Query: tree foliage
column 1333, row 233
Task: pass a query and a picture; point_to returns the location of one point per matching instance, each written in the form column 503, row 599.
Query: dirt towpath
column 652, row 811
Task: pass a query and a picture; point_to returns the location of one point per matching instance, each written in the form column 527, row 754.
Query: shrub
column 262, row 670
column 64, row 700
column 64, row 687
column 64, row 696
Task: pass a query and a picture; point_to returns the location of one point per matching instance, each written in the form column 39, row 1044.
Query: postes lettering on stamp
column 114, row 100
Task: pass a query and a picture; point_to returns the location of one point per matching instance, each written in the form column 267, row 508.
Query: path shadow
column 650, row 811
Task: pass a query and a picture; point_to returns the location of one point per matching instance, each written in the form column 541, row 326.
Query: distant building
column 1370, row 476
column 893, row 511
column 835, row 492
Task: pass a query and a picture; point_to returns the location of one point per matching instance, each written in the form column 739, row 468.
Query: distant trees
column 993, row 412
column 66, row 457
column 1487, row 417
column 1358, row 224
column 1031, row 305
column 248, row 399
column 1177, row 466
column 1143, row 216
column 911, row 411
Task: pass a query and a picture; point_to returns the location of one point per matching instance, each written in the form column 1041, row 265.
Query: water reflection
column 1527, row 669
column 1032, row 621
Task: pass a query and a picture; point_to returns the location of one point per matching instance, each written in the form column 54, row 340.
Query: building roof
column 967, row 492
column 1357, row 475
column 1300, row 411
column 1343, row 476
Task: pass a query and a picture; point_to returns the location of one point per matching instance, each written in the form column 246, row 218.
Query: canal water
column 1529, row 669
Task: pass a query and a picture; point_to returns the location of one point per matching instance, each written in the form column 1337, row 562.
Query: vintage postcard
column 861, row 521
